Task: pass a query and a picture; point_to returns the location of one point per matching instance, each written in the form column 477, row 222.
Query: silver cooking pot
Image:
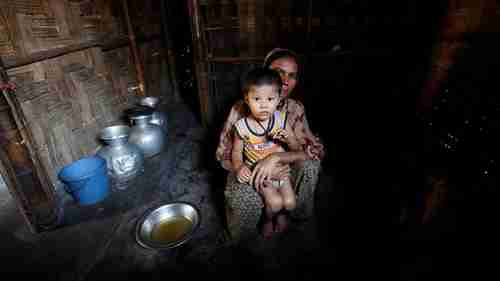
column 150, row 138
column 159, row 118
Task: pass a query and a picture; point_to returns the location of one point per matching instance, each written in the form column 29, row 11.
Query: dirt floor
column 352, row 235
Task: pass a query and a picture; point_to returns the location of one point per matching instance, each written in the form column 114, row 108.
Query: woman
column 243, row 204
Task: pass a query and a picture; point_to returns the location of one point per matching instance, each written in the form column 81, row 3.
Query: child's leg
column 289, row 202
column 273, row 204
column 287, row 194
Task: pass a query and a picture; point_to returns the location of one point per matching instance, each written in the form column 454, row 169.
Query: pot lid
column 139, row 112
column 114, row 132
column 151, row 102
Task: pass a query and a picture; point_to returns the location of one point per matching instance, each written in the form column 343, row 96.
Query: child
column 260, row 134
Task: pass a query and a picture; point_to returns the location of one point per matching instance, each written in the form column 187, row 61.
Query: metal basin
column 167, row 226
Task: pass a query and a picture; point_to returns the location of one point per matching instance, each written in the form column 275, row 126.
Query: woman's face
column 287, row 68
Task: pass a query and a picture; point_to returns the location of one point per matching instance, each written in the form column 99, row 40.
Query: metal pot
column 150, row 138
column 159, row 118
column 123, row 159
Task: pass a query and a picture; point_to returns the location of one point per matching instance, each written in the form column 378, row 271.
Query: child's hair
column 260, row 77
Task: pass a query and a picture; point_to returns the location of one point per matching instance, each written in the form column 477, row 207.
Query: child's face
column 262, row 101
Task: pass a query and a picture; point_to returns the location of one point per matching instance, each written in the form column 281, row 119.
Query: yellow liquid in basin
column 171, row 230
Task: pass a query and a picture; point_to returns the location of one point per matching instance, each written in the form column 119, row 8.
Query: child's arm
column 243, row 173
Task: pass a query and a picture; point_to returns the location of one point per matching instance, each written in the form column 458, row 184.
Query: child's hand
column 280, row 134
column 287, row 137
column 243, row 174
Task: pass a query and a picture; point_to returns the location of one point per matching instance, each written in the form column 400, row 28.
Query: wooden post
column 200, row 63
column 135, row 51
column 169, row 60
column 9, row 175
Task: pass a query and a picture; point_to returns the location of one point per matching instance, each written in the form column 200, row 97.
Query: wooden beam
column 56, row 52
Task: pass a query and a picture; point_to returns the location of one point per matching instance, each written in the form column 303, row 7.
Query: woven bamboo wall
column 251, row 27
column 40, row 25
column 68, row 97
column 232, row 35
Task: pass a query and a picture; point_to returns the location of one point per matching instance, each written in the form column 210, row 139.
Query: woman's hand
column 264, row 170
column 243, row 174
column 313, row 149
column 312, row 152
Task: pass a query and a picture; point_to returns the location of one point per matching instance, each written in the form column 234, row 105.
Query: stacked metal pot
column 127, row 147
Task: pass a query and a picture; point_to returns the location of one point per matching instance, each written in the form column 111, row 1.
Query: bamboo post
column 201, row 66
column 9, row 175
column 169, row 60
column 135, row 52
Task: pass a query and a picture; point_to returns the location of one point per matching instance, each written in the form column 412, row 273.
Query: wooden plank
column 56, row 52
column 29, row 142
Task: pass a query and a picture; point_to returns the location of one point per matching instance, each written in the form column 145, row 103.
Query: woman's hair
column 279, row 53
column 260, row 77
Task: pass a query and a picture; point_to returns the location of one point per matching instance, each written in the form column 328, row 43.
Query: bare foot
column 281, row 223
column 268, row 229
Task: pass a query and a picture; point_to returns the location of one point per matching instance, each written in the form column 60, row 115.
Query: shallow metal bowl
column 156, row 216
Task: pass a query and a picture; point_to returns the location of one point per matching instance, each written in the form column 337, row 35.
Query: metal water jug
column 124, row 160
column 159, row 118
column 150, row 138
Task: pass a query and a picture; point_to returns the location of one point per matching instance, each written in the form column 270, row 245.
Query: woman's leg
column 305, row 176
column 243, row 209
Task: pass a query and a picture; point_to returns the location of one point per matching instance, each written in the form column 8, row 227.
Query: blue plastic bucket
column 86, row 180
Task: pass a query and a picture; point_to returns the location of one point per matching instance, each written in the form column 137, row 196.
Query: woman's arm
column 300, row 127
column 237, row 153
column 271, row 165
column 289, row 157
column 223, row 153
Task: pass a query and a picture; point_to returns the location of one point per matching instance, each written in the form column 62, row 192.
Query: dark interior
column 382, row 153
